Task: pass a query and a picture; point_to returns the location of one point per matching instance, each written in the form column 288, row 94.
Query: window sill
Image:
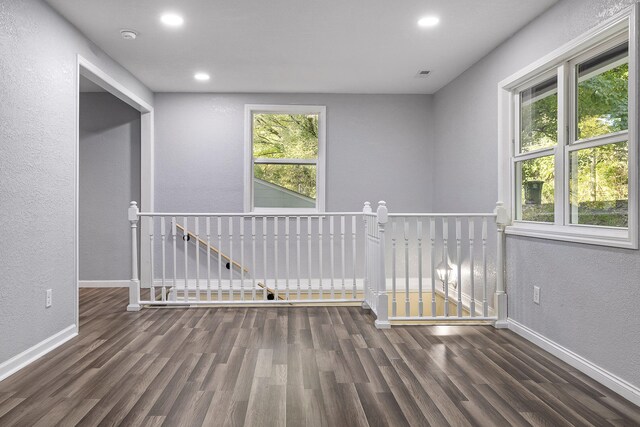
column 601, row 236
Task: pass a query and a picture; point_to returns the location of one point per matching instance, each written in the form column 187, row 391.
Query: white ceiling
column 323, row 46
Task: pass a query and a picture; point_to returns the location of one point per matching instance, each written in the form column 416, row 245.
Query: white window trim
column 626, row 20
column 249, row 110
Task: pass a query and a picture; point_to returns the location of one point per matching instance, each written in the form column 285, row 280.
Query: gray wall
column 589, row 294
column 37, row 169
column 109, row 180
column 378, row 147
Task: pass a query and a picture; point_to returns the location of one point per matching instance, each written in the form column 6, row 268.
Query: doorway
column 114, row 165
column 109, row 178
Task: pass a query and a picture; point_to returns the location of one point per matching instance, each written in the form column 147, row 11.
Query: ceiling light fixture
column 202, row 77
column 172, row 20
column 429, row 21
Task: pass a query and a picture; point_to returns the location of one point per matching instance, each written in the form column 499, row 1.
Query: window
column 571, row 148
column 285, row 158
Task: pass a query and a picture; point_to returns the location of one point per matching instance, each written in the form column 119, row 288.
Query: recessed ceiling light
column 429, row 21
column 202, row 77
column 172, row 19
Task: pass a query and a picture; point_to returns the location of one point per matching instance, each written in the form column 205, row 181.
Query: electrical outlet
column 49, row 298
column 536, row 294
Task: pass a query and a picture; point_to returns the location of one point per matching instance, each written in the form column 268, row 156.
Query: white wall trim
column 604, row 377
column 30, row 355
column 104, row 283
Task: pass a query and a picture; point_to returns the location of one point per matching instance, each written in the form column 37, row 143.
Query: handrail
column 250, row 214
column 221, row 254
column 443, row 215
column 211, row 247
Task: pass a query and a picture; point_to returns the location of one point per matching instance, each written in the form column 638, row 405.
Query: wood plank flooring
column 324, row 366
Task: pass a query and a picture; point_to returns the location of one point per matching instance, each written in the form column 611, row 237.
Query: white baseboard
column 103, row 283
column 28, row 356
column 604, row 377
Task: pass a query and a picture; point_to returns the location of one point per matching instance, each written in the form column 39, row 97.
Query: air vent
column 422, row 74
column 128, row 34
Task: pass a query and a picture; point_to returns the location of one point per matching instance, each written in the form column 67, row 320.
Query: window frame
column 561, row 62
column 250, row 161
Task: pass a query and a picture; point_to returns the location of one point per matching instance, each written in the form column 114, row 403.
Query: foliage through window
column 596, row 146
column 285, row 148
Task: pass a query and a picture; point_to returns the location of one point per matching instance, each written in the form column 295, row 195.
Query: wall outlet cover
column 49, row 298
column 536, row 294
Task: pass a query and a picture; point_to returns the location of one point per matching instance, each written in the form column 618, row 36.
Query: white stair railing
column 258, row 258
column 447, row 267
column 404, row 267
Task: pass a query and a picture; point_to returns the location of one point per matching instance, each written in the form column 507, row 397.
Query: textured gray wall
column 589, row 294
column 109, row 180
column 38, row 165
column 378, row 146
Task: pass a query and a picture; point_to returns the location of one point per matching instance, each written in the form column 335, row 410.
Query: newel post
column 382, row 303
column 366, row 211
column 134, row 284
column 502, row 220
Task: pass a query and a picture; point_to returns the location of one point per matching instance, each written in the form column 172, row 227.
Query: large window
column 285, row 158
column 572, row 141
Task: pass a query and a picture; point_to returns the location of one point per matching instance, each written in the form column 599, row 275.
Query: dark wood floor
column 295, row 366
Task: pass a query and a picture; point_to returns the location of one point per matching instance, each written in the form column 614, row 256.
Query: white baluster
column 445, row 235
column 485, row 305
column 164, row 261
column 298, row 255
column 472, row 303
column 242, row 258
column 459, row 265
column 343, row 256
column 420, row 302
column 253, row 258
column 185, row 235
column 320, row 221
column 309, row 295
column 331, row 256
column 275, row 255
column 219, row 230
column 264, row 256
column 432, row 237
column 230, row 233
column 152, row 289
column 354, row 254
column 174, row 233
column 286, row 256
column 394, row 311
column 208, row 226
column 197, row 230
column 407, row 301
column 366, row 210
column 375, row 253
